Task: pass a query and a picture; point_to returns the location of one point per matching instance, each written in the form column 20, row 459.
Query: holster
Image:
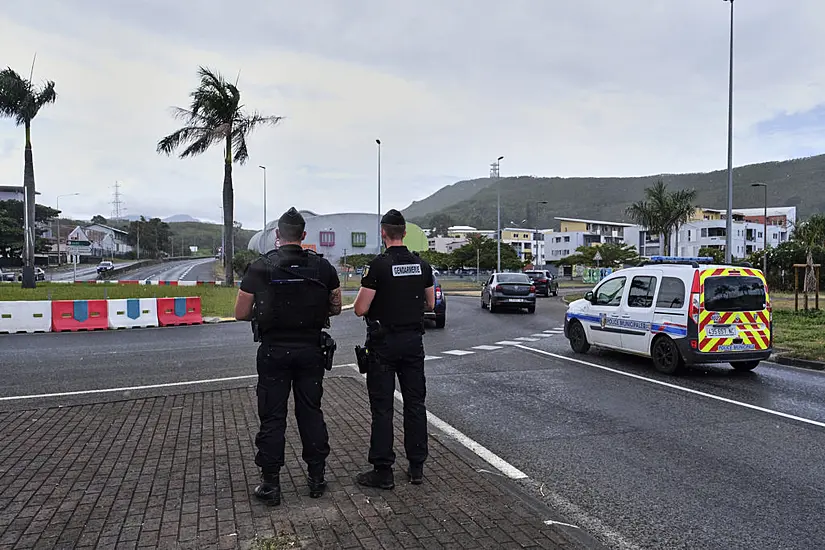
column 365, row 356
column 328, row 347
column 256, row 329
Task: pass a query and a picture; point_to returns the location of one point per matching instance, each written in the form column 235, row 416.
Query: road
column 712, row 459
column 183, row 270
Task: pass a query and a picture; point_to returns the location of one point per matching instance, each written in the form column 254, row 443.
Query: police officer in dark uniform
column 396, row 288
column 292, row 293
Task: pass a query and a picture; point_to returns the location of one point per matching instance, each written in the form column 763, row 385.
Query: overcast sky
column 560, row 88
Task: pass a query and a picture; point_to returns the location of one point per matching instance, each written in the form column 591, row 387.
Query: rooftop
column 599, row 222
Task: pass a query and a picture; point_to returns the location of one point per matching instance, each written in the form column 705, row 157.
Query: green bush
column 242, row 259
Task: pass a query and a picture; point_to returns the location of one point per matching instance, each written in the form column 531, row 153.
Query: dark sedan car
column 439, row 313
column 546, row 284
column 514, row 290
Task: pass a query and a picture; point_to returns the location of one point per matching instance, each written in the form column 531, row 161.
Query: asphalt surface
column 178, row 270
column 634, row 462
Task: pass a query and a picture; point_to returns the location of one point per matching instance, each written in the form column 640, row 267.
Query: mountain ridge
column 796, row 182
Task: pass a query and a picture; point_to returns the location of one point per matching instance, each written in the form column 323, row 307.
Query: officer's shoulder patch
column 366, row 271
column 406, row 270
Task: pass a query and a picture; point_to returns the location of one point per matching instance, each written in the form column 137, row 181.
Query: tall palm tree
column 21, row 100
column 663, row 212
column 216, row 115
column 811, row 233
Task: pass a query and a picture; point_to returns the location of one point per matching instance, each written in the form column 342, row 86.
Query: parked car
column 39, row 275
column 105, row 266
column 546, row 284
column 7, row 276
column 439, row 313
column 514, row 290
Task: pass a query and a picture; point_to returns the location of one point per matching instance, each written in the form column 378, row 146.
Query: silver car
column 509, row 290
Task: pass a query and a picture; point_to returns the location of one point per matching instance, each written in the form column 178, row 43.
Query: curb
column 782, row 359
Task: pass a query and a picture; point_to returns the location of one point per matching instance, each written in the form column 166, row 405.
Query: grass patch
column 216, row 301
column 278, row 542
column 573, row 297
column 802, row 334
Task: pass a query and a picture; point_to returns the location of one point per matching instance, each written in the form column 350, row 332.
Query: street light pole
column 378, row 142
column 264, row 169
column 536, row 235
column 495, row 172
column 764, row 229
column 729, row 225
column 59, row 263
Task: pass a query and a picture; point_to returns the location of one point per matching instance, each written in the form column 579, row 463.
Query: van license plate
column 722, row 331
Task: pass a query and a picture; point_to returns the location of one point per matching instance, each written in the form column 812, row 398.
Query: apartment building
column 708, row 229
column 577, row 232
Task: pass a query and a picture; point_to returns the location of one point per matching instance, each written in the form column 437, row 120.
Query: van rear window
column 734, row 293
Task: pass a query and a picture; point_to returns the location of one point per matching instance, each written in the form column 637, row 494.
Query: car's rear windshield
column 734, row 293
column 513, row 278
column 535, row 274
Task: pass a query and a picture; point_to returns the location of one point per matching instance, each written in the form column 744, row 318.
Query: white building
column 708, row 229
column 463, row 231
column 445, row 245
column 12, row 193
column 107, row 241
column 577, row 232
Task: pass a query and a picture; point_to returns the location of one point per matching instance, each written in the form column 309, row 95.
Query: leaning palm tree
column 811, row 233
column 682, row 209
column 216, row 115
column 21, row 100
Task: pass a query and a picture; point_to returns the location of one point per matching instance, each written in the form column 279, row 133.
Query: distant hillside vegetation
column 445, row 197
column 799, row 183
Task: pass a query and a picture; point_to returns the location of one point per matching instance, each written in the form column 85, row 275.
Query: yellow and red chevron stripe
column 754, row 327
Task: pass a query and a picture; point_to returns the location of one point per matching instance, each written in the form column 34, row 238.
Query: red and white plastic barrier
column 133, row 313
column 179, row 311
column 35, row 316
column 76, row 315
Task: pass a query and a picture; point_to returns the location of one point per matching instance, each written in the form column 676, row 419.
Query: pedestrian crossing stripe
column 508, row 343
column 541, row 335
column 431, row 357
column 458, row 352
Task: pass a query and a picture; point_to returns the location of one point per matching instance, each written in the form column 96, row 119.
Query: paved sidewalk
column 178, row 472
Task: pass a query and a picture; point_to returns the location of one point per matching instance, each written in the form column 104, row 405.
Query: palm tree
column 811, row 233
column 216, row 115
column 21, row 100
column 663, row 212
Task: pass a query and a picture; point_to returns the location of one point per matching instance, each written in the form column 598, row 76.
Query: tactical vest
column 295, row 298
column 400, row 300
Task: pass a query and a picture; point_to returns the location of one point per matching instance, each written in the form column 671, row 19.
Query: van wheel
column 483, row 305
column 440, row 321
column 745, row 365
column 666, row 356
column 578, row 338
column 493, row 307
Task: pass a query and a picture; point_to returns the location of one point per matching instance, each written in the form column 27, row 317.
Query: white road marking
column 554, row 331
column 552, row 522
column 508, row 343
column 527, row 339
column 147, row 387
column 541, row 335
column 487, row 348
column 680, row 388
column 431, row 357
column 458, row 352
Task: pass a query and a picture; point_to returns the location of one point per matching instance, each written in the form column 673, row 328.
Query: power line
column 118, row 209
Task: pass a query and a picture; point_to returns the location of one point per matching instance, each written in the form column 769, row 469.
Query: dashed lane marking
column 508, row 343
column 527, row 339
column 541, row 335
column 431, row 357
column 487, row 348
column 458, row 352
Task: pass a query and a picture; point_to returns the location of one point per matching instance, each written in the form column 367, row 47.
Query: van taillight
column 695, row 291
column 532, row 288
column 438, row 293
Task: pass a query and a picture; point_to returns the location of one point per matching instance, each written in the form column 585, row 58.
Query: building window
column 359, row 240
column 690, row 237
column 567, row 239
column 327, row 238
column 759, row 235
column 704, row 231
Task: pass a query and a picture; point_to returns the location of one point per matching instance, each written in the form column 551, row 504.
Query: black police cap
column 291, row 217
column 393, row 217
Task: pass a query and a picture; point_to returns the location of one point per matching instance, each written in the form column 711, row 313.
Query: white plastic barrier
column 133, row 313
column 26, row 316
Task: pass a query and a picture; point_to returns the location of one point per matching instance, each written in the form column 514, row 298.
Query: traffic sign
column 597, row 257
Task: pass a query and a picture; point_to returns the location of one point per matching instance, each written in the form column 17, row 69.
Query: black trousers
column 282, row 368
column 402, row 355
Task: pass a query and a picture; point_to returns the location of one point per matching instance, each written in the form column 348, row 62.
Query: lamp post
column 264, row 169
column 536, row 234
column 495, row 174
column 764, row 229
column 378, row 142
column 729, row 225
column 59, row 263
column 519, row 225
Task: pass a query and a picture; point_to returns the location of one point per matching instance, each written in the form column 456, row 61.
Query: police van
column 677, row 311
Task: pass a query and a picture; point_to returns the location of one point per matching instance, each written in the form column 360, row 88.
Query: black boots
column 316, row 482
column 415, row 473
column 378, row 478
column 269, row 491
